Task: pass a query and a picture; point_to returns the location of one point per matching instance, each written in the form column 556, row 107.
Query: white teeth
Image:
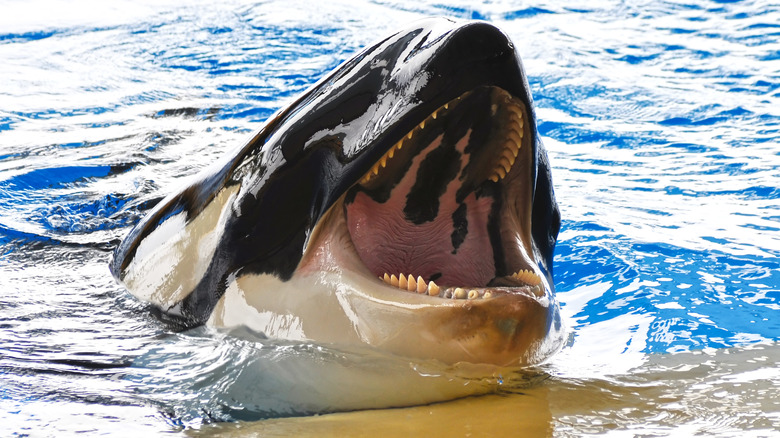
column 421, row 289
column 510, row 151
column 512, row 145
column 408, row 283
column 510, row 154
column 517, row 112
column 411, row 284
column 383, row 161
column 516, row 137
column 529, row 277
column 504, row 162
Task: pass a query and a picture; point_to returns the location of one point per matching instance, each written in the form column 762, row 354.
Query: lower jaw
column 505, row 330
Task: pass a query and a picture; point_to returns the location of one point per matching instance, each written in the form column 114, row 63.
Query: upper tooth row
column 506, row 159
column 389, row 154
column 511, row 146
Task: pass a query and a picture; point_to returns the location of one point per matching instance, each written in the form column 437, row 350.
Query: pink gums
column 388, row 243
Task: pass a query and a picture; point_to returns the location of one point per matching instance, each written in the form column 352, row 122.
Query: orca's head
column 409, row 188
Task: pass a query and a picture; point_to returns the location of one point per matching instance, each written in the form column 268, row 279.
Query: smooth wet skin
column 403, row 202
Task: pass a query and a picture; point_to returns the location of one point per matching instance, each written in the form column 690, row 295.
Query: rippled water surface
column 662, row 120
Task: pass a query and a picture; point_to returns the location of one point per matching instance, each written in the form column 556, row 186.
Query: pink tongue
column 388, row 243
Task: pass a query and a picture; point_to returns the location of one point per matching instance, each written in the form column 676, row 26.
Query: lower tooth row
column 528, row 277
column 410, row 284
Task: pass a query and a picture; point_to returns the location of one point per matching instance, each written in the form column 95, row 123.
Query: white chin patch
column 173, row 258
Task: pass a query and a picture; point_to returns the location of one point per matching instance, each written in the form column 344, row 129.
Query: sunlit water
column 662, row 121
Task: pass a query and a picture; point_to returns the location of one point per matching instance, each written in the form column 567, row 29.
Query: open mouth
column 446, row 211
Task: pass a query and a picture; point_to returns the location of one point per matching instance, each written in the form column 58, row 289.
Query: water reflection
column 714, row 392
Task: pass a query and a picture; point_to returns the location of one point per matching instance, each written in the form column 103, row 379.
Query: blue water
column 662, row 121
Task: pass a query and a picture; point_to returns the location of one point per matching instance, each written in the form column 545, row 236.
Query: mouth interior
column 445, row 211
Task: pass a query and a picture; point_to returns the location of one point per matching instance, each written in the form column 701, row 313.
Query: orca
column 403, row 202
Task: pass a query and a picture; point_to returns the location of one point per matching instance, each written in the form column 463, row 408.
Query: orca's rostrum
column 403, row 202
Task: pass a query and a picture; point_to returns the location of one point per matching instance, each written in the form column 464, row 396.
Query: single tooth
column 507, row 153
column 473, row 294
column 510, row 153
column 400, row 144
column 515, row 137
column 383, row 161
column 433, row 289
column 391, row 153
column 501, row 172
column 421, row 288
column 487, row 295
column 409, row 135
column 434, row 114
column 516, row 117
column 422, row 124
column 365, row 179
column 459, row 293
column 386, row 278
column 446, row 106
column 512, row 147
column 402, row 283
column 411, row 284
column 375, row 169
column 503, row 162
column 494, row 177
column 394, row 280
column 520, row 119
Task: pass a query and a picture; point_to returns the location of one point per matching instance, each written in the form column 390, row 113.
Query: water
column 662, row 121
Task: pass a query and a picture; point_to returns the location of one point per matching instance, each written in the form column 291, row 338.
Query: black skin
column 418, row 69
